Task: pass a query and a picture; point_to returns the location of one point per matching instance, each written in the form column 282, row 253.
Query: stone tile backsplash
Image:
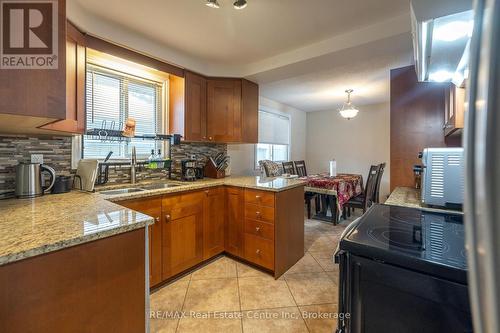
column 56, row 152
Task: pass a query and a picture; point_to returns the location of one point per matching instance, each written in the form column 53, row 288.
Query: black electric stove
column 424, row 241
column 404, row 270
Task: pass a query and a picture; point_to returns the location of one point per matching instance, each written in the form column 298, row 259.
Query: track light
column 240, row 4
column 212, row 4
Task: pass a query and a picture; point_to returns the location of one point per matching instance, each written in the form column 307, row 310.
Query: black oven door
column 383, row 298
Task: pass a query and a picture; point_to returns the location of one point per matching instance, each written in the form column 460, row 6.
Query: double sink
column 141, row 188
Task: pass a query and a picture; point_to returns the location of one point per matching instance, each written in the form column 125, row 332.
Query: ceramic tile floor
column 228, row 296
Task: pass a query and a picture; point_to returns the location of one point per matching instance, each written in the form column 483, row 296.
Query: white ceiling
column 299, row 51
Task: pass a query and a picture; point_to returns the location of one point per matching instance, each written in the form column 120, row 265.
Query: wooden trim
column 99, row 44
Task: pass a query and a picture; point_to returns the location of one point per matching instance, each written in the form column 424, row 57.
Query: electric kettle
column 29, row 179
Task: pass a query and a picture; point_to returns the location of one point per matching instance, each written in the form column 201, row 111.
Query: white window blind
column 111, row 99
column 274, row 138
column 274, row 128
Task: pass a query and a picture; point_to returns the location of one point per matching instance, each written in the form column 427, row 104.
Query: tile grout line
column 293, row 297
column 184, row 302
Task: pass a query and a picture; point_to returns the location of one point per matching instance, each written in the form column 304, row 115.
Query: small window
column 112, row 97
column 274, row 138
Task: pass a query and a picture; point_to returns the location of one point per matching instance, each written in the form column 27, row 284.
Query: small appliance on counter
column 62, row 184
column 30, row 180
column 443, row 177
column 403, row 270
column 191, row 170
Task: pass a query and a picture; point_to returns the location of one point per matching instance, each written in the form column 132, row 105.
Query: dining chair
column 301, row 171
column 376, row 198
column 288, row 167
column 271, row 168
column 300, row 168
column 364, row 200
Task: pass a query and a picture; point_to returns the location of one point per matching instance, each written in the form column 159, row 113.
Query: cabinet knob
column 207, row 192
column 257, row 252
column 157, row 219
column 204, row 138
column 167, row 217
column 257, row 213
column 257, row 229
column 257, row 197
column 210, row 138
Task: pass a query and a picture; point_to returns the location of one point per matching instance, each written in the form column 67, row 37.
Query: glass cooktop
column 412, row 238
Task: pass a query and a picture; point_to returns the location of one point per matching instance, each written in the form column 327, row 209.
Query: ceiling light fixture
column 348, row 109
column 212, row 4
column 240, row 4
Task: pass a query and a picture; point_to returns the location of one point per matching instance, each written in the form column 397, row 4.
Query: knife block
column 211, row 171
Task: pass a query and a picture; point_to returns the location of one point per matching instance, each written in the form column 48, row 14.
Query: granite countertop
column 275, row 184
column 410, row 197
column 30, row 227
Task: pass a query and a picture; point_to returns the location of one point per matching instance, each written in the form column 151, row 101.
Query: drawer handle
column 167, row 217
column 257, row 229
column 257, row 197
column 257, row 252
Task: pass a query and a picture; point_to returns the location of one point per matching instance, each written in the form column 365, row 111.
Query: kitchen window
column 274, row 138
column 112, row 96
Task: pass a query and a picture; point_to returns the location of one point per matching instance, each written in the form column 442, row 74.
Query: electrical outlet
column 37, row 158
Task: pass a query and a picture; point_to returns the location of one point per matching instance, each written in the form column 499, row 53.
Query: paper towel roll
column 333, row 168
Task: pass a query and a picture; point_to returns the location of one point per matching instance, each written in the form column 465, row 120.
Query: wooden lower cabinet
column 234, row 220
column 213, row 222
column 182, row 237
column 261, row 227
column 151, row 207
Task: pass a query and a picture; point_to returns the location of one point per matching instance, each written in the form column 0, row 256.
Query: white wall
column 242, row 155
column 355, row 143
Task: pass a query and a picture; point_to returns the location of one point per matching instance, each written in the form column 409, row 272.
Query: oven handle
column 346, row 231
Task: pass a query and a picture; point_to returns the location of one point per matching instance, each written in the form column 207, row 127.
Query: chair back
column 379, row 180
column 300, row 168
column 371, row 184
column 271, row 169
column 288, row 168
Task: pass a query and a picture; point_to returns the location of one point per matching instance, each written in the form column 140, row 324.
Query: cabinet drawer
column 261, row 229
column 262, row 198
column 260, row 251
column 259, row 213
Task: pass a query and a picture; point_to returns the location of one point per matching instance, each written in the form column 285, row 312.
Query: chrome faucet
column 133, row 164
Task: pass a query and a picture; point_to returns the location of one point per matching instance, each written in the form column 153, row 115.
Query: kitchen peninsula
column 86, row 251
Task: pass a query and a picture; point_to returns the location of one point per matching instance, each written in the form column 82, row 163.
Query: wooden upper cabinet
column 454, row 109
column 224, row 121
column 182, row 243
column 196, row 107
column 74, row 121
column 213, row 223
column 250, row 111
column 235, row 201
column 34, row 97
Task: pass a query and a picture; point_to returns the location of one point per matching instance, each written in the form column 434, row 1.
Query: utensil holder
column 212, row 172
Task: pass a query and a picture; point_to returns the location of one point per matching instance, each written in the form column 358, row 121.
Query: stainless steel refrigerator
column 482, row 151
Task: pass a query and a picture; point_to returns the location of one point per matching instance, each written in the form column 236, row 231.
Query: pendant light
column 212, row 4
column 348, row 109
column 240, row 4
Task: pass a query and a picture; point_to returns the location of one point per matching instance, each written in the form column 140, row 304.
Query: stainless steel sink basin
column 122, row 191
column 158, row 186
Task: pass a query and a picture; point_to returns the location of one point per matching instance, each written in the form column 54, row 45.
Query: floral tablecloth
column 344, row 186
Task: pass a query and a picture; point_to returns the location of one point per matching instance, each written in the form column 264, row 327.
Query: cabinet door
column 151, row 207
column 213, row 227
column 196, row 108
column 75, row 84
column 249, row 111
column 224, row 110
column 234, row 221
column 182, row 238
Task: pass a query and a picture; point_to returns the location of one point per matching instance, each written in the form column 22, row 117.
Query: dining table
column 335, row 191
